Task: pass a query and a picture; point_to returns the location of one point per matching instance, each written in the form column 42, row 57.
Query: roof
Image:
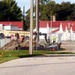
column 19, row 24
column 56, row 24
column 55, row 31
column 43, row 24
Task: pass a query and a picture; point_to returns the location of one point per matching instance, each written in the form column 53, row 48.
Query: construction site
column 20, row 42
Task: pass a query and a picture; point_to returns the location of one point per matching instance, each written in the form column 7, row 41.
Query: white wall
column 4, row 41
column 44, row 30
column 1, row 26
column 14, row 28
column 74, row 35
column 64, row 37
column 9, row 27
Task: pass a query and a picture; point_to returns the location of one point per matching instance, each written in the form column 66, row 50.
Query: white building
column 1, row 27
column 64, row 30
column 10, row 27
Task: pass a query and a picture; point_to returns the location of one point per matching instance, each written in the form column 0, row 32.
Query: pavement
column 48, row 64
column 59, row 55
column 39, row 66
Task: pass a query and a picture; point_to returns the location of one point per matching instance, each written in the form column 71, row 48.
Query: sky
column 22, row 3
column 26, row 3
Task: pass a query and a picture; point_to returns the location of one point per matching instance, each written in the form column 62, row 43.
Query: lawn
column 10, row 55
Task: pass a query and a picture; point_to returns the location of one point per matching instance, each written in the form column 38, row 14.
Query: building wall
column 4, row 41
column 10, row 27
column 1, row 27
column 14, row 28
column 45, row 30
column 64, row 36
column 7, row 27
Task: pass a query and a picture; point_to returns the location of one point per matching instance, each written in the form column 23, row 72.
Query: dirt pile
column 10, row 46
column 13, row 45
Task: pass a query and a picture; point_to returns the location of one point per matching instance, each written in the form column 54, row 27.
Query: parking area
column 68, row 45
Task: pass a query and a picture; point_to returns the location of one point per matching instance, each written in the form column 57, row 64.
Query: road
column 39, row 66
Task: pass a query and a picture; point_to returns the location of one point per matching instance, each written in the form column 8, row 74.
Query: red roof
column 43, row 24
column 55, row 30
column 19, row 24
column 56, row 24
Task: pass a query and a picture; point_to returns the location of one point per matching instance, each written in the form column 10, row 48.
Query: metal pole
column 31, row 27
column 70, row 35
column 51, row 29
column 70, row 38
column 51, row 24
column 23, row 17
column 37, row 21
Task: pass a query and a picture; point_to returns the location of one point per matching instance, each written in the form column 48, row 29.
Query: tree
column 9, row 11
column 72, row 16
column 45, row 1
column 27, row 21
column 3, row 10
column 64, row 11
column 47, row 10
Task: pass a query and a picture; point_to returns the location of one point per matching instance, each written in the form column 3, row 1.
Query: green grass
column 10, row 55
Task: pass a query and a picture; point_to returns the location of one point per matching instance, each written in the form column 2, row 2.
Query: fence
column 4, row 41
column 69, row 45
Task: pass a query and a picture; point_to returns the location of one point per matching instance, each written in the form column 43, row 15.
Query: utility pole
column 37, row 21
column 51, row 26
column 31, row 27
column 23, row 17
